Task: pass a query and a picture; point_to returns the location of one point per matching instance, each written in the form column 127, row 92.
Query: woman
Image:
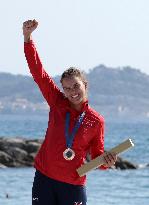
column 74, row 129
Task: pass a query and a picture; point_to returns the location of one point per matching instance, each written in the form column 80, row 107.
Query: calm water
column 104, row 187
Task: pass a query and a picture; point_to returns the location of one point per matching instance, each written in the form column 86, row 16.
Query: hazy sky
column 82, row 33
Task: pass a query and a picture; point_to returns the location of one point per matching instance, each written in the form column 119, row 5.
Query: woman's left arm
column 97, row 147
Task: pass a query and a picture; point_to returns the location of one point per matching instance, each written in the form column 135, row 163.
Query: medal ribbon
column 70, row 137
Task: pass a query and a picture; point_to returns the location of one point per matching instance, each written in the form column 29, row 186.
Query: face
column 75, row 90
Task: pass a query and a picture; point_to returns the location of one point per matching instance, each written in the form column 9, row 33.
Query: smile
column 74, row 96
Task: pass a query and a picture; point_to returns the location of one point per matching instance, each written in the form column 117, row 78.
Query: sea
column 110, row 187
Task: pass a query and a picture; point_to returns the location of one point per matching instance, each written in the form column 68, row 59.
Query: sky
column 81, row 33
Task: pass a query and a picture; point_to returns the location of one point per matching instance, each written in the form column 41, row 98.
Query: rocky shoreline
column 20, row 152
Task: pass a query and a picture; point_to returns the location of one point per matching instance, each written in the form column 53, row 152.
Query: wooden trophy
column 98, row 161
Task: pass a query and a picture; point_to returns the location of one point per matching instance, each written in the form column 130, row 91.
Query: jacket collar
column 74, row 111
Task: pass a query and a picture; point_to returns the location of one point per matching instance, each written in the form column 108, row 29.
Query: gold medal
column 68, row 154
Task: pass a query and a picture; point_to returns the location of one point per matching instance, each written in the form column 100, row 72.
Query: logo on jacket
column 35, row 199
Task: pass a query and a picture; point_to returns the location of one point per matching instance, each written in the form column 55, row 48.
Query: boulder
column 32, row 146
column 2, row 166
column 6, row 143
column 124, row 164
column 5, row 158
column 20, row 152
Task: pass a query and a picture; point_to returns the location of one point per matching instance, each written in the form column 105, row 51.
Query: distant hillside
column 119, row 92
column 115, row 93
column 18, row 86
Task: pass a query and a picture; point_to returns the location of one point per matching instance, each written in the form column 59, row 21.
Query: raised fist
column 28, row 27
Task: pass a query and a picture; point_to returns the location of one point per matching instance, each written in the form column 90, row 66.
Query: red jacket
column 89, row 137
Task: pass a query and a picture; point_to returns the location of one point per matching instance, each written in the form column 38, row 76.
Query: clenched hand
column 28, row 27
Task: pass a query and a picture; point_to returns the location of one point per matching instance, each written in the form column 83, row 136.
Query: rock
column 5, row 159
column 17, row 153
column 6, row 143
column 20, row 152
column 31, row 146
column 2, row 166
column 124, row 164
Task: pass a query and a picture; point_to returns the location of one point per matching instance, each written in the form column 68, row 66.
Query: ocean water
column 127, row 187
